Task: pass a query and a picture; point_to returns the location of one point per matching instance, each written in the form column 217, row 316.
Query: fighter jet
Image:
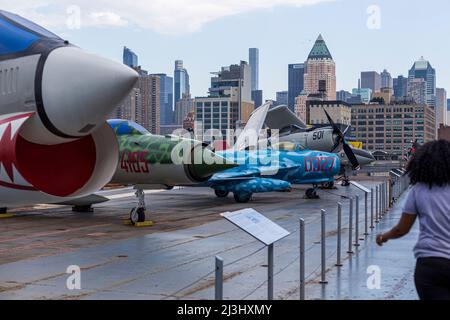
column 55, row 143
column 274, row 170
column 148, row 161
column 292, row 129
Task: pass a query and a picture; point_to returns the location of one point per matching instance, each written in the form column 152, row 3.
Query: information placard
column 256, row 225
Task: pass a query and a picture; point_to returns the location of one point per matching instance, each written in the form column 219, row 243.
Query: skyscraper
column 167, row 112
column 282, row 98
column 371, row 80
column 295, row 83
column 257, row 97
column 130, row 58
column 400, row 87
column 142, row 104
column 254, row 64
column 422, row 69
column 386, row 80
column 417, row 89
column 181, row 78
column 441, row 107
column 320, row 71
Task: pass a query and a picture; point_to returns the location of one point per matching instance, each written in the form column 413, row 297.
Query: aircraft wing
column 281, row 116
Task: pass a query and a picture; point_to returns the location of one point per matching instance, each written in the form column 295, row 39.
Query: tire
column 221, row 193
column 137, row 215
column 311, row 193
column 242, row 197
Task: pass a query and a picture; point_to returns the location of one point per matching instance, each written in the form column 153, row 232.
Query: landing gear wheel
column 311, row 194
column 345, row 183
column 221, row 193
column 137, row 215
column 242, row 197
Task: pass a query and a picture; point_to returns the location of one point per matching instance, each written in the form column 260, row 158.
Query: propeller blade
column 346, row 130
column 351, row 156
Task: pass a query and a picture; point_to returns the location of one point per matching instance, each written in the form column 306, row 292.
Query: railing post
column 376, row 205
column 350, row 227
column 323, row 247
column 357, row 221
column 366, row 214
column 270, row 273
column 371, row 208
column 339, row 235
column 219, row 279
column 302, row 259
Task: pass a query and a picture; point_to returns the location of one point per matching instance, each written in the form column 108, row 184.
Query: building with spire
column 320, row 71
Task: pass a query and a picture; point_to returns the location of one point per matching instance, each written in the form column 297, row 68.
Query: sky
column 207, row 34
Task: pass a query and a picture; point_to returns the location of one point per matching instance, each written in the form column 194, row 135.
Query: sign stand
column 263, row 230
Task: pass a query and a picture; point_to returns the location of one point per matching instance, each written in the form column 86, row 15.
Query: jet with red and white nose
column 55, row 143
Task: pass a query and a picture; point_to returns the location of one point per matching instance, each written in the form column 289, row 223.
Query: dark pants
column 432, row 278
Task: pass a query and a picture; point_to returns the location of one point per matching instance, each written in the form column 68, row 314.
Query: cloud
column 162, row 16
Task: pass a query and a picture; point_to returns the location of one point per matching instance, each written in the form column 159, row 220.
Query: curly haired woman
column 428, row 200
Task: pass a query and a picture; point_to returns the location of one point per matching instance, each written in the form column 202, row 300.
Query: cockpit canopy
column 17, row 34
column 127, row 127
column 288, row 146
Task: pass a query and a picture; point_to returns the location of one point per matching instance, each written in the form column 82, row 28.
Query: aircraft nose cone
column 80, row 90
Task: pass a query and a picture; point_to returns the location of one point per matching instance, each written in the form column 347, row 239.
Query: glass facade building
column 181, row 78
column 254, row 64
column 166, row 98
column 130, row 58
column 296, row 82
column 422, row 69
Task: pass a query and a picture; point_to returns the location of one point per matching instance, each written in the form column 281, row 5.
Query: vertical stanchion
column 366, row 214
column 339, row 236
column 371, row 208
column 270, row 273
column 350, row 227
column 219, row 278
column 376, row 205
column 302, row 259
column 357, row 221
column 323, row 279
column 380, row 207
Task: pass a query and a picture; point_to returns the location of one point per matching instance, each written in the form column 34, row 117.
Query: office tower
column 371, row 80
column 385, row 95
column 441, row 107
column 320, row 71
column 417, row 90
column 254, row 64
column 166, row 103
column 295, row 82
column 183, row 107
column 400, row 87
column 181, row 79
column 142, row 104
column 386, row 80
column 393, row 128
column 282, row 98
column 422, row 69
column 257, row 97
column 339, row 111
column 130, row 58
column 364, row 93
column 229, row 103
column 343, row 95
column 300, row 106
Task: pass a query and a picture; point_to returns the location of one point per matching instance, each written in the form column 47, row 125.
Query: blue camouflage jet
column 274, row 170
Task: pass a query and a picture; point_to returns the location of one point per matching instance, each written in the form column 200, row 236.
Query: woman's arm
column 402, row 228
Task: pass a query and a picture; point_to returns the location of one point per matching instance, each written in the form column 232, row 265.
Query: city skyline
column 356, row 45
